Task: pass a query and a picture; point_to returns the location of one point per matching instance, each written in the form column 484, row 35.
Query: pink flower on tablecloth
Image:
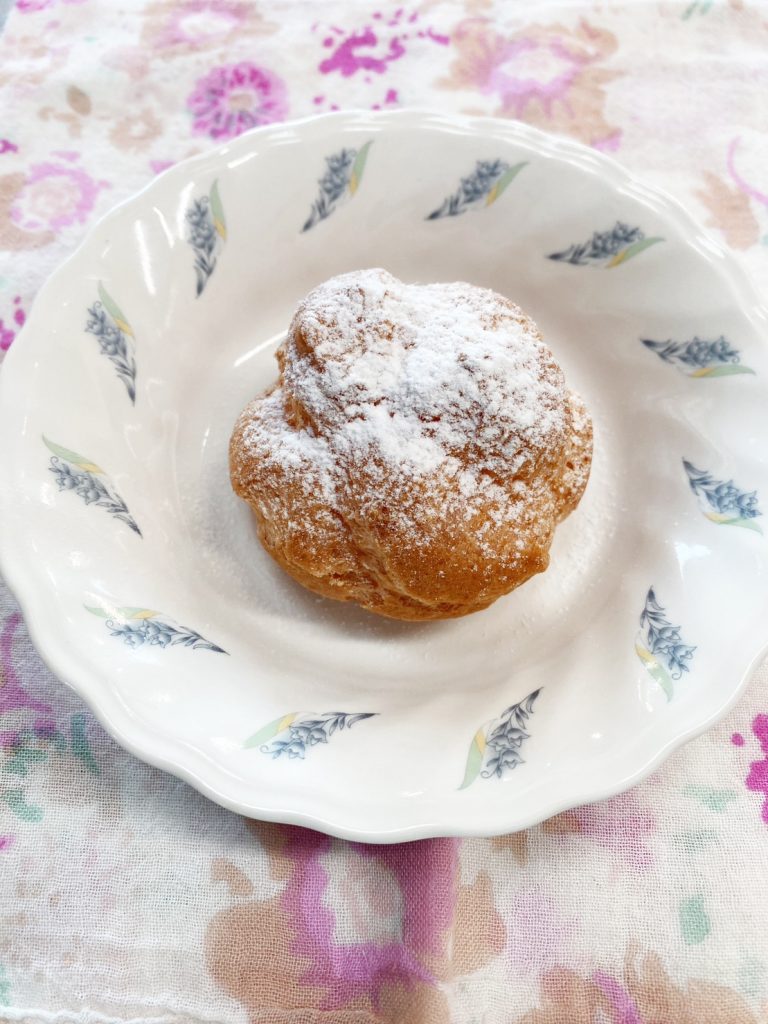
column 372, row 898
column 551, row 76
column 30, row 6
column 444, row 928
column 176, row 27
column 54, row 196
column 201, row 21
column 362, row 51
column 757, row 778
column 373, row 47
column 235, row 97
column 10, row 328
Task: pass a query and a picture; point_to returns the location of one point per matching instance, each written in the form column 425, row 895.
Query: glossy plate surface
column 140, row 574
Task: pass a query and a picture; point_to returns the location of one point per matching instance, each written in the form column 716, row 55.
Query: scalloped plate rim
column 178, row 758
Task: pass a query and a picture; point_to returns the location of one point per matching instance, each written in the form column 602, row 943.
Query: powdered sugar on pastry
column 418, row 450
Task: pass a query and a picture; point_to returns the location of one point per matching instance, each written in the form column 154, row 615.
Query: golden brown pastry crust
column 417, row 451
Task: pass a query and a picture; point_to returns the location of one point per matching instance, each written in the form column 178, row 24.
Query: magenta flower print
column 233, row 98
column 11, row 324
column 30, row 6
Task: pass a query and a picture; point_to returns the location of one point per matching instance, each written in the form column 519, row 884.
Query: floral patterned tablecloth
column 124, row 895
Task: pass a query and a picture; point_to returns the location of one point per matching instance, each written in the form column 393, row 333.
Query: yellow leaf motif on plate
column 217, row 212
column 114, row 310
column 632, row 250
column 656, row 670
column 356, row 175
column 645, row 656
column 732, row 369
column 69, row 456
column 504, row 182
column 121, row 614
column 269, row 731
column 474, row 758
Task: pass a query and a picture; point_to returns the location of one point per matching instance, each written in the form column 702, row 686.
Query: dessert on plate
column 418, row 449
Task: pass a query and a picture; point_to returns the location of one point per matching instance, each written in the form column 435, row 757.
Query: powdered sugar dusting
column 418, row 413
column 420, row 375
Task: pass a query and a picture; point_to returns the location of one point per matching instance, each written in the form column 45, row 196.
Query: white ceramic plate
column 202, row 657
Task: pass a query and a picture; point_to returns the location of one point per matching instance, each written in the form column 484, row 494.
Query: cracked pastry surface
column 418, row 450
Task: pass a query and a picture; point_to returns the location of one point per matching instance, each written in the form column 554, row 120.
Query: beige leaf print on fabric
column 644, row 992
column 479, row 932
column 78, row 107
column 79, row 101
column 236, row 880
column 551, row 76
column 694, row 1001
column 517, row 843
column 730, row 211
